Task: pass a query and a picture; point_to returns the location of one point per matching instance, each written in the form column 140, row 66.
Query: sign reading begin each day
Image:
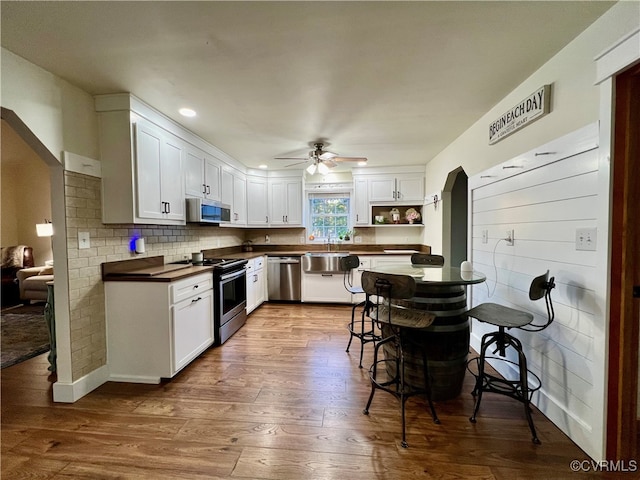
column 535, row 106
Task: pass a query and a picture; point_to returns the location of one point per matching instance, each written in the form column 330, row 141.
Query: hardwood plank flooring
column 280, row 400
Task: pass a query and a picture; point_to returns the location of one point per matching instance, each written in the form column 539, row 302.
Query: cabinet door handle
column 267, row 219
column 394, row 194
column 286, row 218
column 208, row 190
column 196, row 300
column 255, row 278
column 327, row 275
column 168, row 207
column 204, row 189
column 357, row 217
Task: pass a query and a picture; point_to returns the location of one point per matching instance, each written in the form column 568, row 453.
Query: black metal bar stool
column 506, row 318
column 427, row 259
column 347, row 264
column 396, row 323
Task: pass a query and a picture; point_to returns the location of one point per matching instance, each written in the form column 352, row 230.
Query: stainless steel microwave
column 200, row 210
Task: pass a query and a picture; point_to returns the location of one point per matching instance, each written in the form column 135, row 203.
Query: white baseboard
column 71, row 392
column 134, row 379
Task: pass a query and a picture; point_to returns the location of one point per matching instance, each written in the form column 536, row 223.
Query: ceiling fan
column 322, row 159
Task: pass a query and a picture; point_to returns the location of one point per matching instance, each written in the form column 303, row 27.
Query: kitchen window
column 329, row 216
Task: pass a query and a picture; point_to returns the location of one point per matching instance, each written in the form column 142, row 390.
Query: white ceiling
column 393, row 81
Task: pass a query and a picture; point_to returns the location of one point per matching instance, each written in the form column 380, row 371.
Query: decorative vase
column 411, row 222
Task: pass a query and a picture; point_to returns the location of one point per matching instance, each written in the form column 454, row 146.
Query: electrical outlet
column 485, row 236
column 510, row 238
column 301, row 239
column 586, row 239
column 84, row 241
column 267, row 239
column 357, row 239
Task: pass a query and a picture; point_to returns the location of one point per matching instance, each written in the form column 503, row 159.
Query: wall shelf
column 384, row 211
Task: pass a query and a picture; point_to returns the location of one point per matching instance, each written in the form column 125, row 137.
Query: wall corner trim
column 618, row 56
column 73, row 162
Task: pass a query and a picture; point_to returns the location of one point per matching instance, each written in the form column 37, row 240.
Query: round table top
column 431, row 274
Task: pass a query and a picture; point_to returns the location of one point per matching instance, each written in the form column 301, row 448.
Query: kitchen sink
column 322, row 262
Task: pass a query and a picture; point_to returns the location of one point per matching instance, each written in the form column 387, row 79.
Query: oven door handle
column 232, row 275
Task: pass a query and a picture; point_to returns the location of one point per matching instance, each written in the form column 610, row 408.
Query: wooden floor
column 280, row 400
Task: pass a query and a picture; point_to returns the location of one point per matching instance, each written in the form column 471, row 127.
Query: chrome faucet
column 328, row 242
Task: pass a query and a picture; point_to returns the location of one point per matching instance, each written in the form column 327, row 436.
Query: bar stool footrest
column 511, row 388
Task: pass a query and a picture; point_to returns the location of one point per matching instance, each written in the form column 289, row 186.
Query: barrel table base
column 446, row 341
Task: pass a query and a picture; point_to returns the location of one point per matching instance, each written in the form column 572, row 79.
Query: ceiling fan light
column 311, row 169
column 323, row 169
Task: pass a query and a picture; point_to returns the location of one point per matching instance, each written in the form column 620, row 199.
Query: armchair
column 32, row 282
column 13, row 259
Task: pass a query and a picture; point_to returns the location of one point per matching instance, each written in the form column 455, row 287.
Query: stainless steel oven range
column 230, row 288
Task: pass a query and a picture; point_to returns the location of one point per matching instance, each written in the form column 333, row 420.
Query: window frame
column 327, row 195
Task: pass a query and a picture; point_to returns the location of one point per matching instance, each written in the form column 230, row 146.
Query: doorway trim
column 617, row 143
column 448, row 215
column 59, row 239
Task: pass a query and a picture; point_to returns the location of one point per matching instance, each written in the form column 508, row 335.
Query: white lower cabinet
column 356, row 279
column 256, row 284
column 380, row 260
column 324, row 288
column 192, row 328
column 154, row 329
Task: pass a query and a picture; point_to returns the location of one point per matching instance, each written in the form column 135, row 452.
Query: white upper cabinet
column 158, row 159
column 212, row 172
column 234, row 193
column 171, row 183
column 285, row 202
column 398, row 188
column 202, row 174
column 142, row 168
column 257, row 201
column 361, row 201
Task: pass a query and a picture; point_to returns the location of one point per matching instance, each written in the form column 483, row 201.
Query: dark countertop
column 149, row 269
column 298, row 253
column 153, row 269
column 299, row 250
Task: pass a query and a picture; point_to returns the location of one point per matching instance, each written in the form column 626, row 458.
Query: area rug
column 24, row 334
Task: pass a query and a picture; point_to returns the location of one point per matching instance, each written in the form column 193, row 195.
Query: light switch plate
column 84, row 240
column 586, row 239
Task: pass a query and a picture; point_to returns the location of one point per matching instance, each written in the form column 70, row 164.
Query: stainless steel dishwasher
column 284, row 278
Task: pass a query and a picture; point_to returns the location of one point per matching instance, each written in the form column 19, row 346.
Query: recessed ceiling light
column 187, row 112
column 263, row 166
column 362, row 164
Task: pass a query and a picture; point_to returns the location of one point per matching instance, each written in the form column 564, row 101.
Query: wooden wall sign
column 533, row 107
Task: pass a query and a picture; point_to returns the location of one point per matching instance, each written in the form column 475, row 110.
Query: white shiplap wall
column 544, row 196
